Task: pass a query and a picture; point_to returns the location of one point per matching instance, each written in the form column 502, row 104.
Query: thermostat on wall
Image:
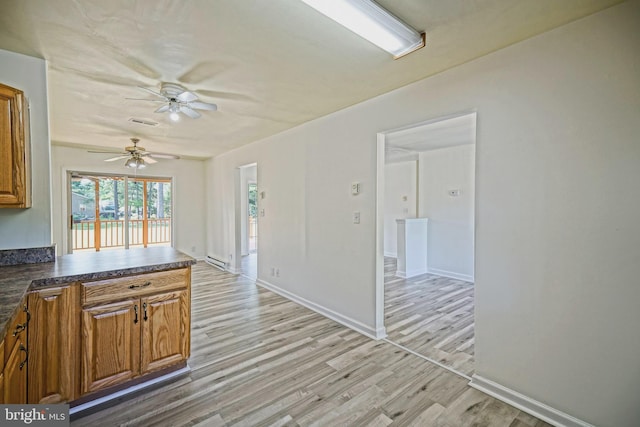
column 355, row 188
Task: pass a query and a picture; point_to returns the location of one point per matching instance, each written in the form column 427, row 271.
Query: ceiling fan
column 137, row 157
column 175, row 100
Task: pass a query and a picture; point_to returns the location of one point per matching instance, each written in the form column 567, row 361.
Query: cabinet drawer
column 121, row 288
column 17, row 330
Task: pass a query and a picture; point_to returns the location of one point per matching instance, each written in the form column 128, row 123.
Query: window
column 119, row 212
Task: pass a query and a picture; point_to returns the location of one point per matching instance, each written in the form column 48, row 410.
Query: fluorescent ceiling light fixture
column 370, row 21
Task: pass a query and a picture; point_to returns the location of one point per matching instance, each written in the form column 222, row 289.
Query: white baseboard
column 391, row 254
column 376, row 334
column 526, row 404
column 231, row 269
column 411, row 273
column 451, row 274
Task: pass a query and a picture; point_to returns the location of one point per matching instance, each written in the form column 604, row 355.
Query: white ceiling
column 269, row 65
column 405, row 144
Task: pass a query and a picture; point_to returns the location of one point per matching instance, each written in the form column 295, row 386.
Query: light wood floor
column 261, row 360
column 431, row 315
column 249, row 265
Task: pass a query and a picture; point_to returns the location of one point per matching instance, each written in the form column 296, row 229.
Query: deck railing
column 141, row 232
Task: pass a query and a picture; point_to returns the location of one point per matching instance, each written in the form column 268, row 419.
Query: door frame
column 380, row 187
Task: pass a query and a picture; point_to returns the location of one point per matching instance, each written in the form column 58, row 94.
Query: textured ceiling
column 269, row 65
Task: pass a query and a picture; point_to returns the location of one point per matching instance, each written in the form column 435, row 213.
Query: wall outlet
column 277, row 272
column 262, row 212
column 193, row 249
column 356, row 217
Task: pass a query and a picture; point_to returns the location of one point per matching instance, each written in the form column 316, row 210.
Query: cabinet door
column 15, row 374
column 53, row 342
column 110, row 344
column 165, row 330
column 15, row 186
column 1, row 372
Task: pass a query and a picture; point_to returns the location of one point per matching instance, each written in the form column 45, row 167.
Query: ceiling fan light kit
column 135, row 162
column 137, row 157
column 372, row 22
column 176, row 100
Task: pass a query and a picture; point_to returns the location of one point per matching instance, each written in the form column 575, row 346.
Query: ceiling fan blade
column 224, row 95
column 153, row 92
column 189, row 112
column 203, row 106
column 113, row 159
column 105, row 152
column 186, row 96
column 163, row 156
column 144, row 99
column 162, row 109
column 149, row 160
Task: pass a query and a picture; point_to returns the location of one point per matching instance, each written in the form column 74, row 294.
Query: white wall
column 188, row 193
column 400, row 181
column 450, row 238
column 26, row 228
column 558, row 204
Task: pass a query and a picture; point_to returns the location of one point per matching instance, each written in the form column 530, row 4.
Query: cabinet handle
column 135, row 309
column 26, row 310
column 140, row 286
column 144, row 307
column 21, row 327
column 26, row 356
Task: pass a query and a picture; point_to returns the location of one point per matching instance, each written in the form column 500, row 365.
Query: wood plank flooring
column 261, row 360
column 431, row 315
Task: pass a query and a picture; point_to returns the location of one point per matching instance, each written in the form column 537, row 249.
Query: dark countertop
column 17, row 280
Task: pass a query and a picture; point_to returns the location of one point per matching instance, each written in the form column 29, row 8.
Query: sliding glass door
column 118, row 211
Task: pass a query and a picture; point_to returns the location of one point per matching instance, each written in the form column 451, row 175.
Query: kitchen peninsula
column 91, row 324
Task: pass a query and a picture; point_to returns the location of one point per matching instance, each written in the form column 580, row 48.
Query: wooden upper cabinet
column 54, row 334
column 15, row 173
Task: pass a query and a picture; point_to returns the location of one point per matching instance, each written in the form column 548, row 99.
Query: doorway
column 248, row 183
column 118, row 211
column 426, row 177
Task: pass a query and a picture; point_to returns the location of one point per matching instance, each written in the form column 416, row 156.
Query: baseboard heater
column 216, row 263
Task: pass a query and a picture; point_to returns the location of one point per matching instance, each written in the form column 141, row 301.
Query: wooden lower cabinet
column 110, row 345
column 14, row 357
column 72, row 342
column 15, row 374
column 53, row 344
column 165, row 330
column 1, row 372
column 124, row 340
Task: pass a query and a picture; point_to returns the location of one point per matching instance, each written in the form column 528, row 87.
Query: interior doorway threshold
column 428, row 359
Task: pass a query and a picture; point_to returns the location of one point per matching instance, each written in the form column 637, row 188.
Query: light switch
column 355, row 188
column 356, row 217
column 454, row 193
